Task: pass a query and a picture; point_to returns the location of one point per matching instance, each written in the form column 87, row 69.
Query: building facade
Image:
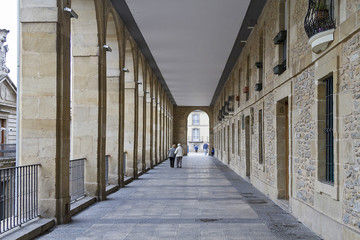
column 197, row 130
column 288, row 114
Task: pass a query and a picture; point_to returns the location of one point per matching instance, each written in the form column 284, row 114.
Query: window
column 233, row 138
column 196, row 135
column 3, row 130
column 248, row 78
column 195, row 119
column 260, row 136
column 239, row 90
column 261, row 63
column 284, row 45
column 239, row 138
column 325, row 129
column 281, row 38
column 329, row 121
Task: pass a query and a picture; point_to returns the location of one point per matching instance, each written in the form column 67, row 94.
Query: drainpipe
column 18, row 84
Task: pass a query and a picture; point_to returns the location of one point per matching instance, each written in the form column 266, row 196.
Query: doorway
column 282, row 152
column 228, row 145
column 247, row 145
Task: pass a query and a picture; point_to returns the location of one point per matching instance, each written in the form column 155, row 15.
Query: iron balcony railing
column 18, row 196
column 319, row 17
column 107, row 170
column 7, row 151
column 77, row 180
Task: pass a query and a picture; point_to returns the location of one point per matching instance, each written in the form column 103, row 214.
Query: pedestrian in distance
column 179, row 155
column 171, row 154
column 196, row 148
column 205, row 147
column 212, row 151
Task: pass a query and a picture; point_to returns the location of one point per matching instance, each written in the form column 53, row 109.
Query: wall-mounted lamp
column 107, row 48
column 140, row 83
column 250, row 28
column 72, row 13
column 243, row 41
column 125, row 69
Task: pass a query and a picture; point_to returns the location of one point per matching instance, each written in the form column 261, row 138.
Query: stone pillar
column 140, row 129
column 112, row 126
column 44, row 106
column 148, row 135
column 129, row 129
column 88, row 105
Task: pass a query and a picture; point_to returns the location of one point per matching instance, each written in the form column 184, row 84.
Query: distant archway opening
column 198, row 132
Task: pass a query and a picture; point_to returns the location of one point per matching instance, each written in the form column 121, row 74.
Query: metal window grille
column 329, row 119
column 77, row 186
column 19, row 196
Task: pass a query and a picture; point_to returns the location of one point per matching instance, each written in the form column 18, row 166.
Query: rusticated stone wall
column 304, row 133
column 350, row 85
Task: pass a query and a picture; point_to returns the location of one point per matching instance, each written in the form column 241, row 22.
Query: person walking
column 171, row 154
column 205, row 147
column 179, row 155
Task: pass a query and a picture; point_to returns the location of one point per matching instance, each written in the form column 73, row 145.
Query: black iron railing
column 77, row 179
column 320, row 17
column 18, row 196
column 7, row 151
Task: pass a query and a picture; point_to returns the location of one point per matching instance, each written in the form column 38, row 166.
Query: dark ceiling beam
column 129, row 21
column 250, row 20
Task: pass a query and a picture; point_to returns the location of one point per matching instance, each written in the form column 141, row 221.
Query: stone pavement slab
column 202, row 200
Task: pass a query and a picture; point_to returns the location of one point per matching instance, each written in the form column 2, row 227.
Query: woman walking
column 179, row 155
column 172, row 155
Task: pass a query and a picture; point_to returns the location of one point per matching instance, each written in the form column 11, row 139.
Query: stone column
column 88, row 97
column 140, row 129
column 44, row 116
column 129, row 130
column 147, row 131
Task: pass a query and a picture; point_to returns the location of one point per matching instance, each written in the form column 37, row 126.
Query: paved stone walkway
column 202, row 200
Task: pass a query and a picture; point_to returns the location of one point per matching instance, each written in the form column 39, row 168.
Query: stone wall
column 350, row 87
column 330, row 209
column 304, row 133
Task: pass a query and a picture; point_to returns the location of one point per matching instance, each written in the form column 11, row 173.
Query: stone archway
column 112, row 100
column 85, row 91
column 180, row 123
column 130, row 151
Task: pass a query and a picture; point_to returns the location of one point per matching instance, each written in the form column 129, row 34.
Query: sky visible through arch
column 8, row 20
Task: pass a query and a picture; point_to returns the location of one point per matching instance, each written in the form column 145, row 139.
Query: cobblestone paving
column 202, row 200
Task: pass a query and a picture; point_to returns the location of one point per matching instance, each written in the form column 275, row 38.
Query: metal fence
column 107, row 157
column 7, row 150
column 77, row 188
column 18, row 196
